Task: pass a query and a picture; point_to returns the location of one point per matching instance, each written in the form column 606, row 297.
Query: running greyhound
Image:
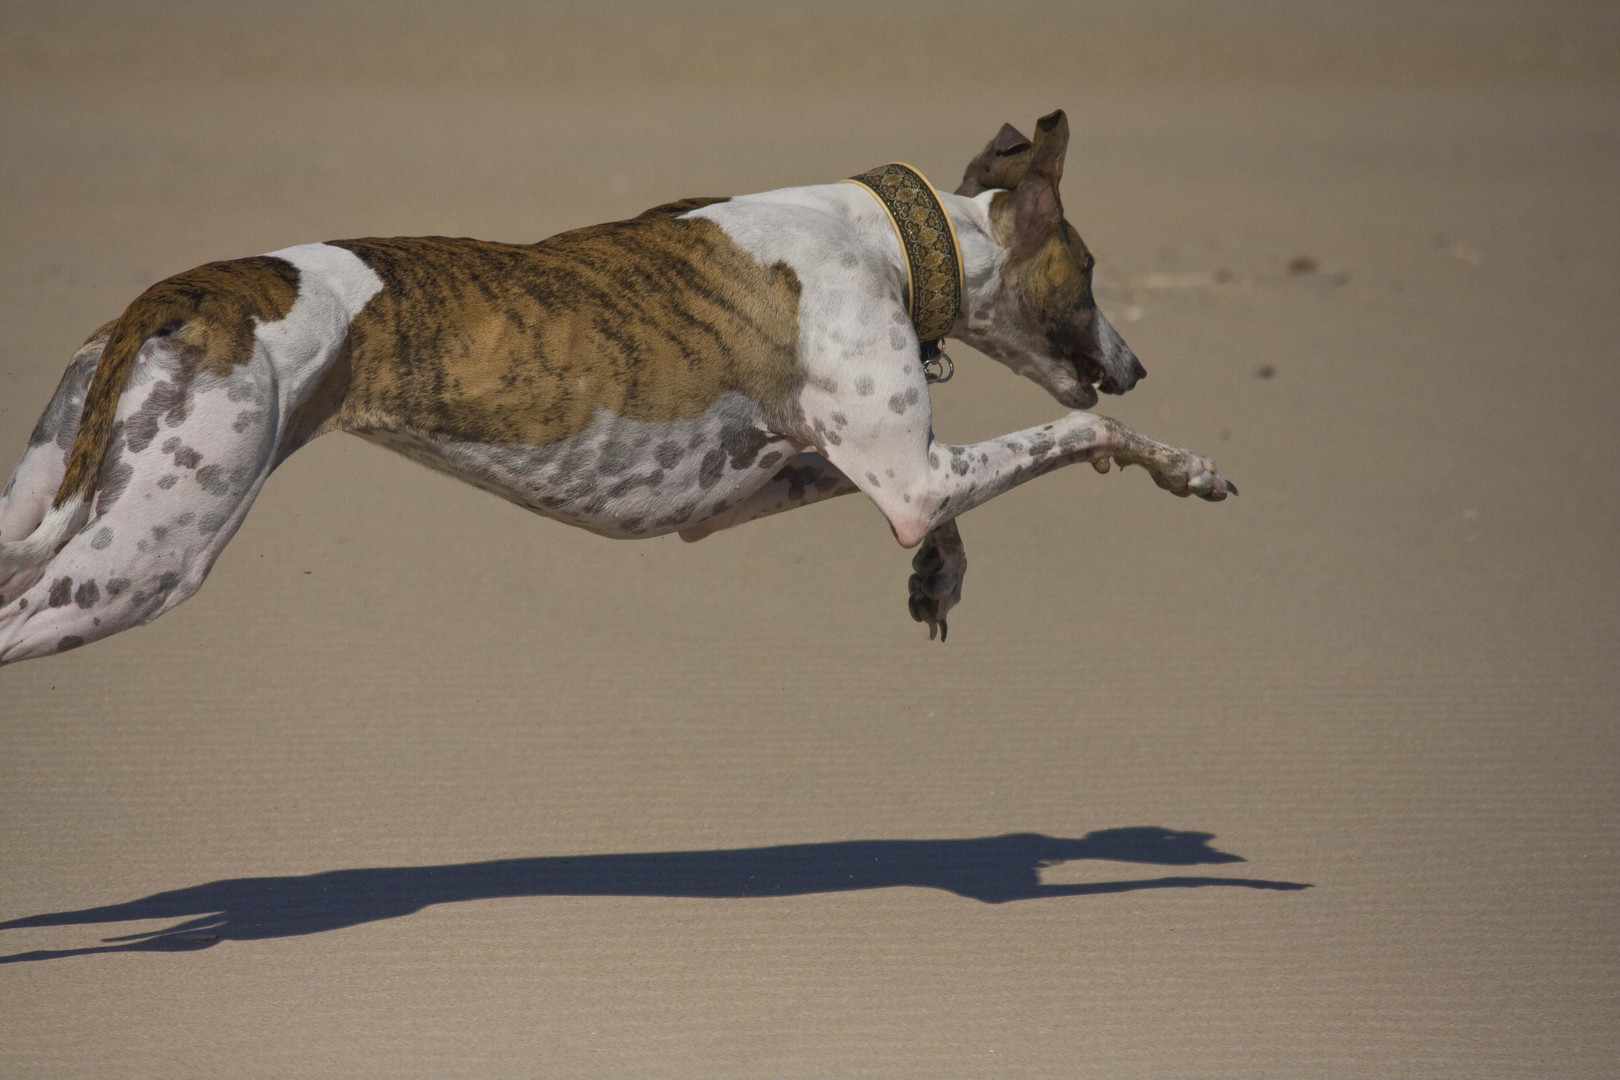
column 707, row 363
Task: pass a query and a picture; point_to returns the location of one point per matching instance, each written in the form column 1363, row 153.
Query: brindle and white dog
column 705, row 364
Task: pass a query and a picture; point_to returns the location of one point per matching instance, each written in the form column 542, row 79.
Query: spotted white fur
column 620, row 478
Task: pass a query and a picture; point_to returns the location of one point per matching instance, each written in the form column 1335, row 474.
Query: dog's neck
column 981, row 256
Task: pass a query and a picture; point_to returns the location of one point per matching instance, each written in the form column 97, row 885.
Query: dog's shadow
column 992, row 869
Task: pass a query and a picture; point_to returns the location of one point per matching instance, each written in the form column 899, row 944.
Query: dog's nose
column 1137, row 368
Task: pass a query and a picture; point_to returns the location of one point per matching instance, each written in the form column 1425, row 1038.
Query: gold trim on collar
column 933, row 258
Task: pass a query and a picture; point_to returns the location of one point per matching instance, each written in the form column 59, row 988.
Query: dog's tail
column 157, row 310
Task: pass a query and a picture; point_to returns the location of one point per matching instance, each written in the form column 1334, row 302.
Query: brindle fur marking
column 652, row 319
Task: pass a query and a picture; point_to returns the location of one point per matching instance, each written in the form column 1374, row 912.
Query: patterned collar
column 933, row 259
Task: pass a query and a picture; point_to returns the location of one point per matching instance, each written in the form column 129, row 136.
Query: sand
column 444, row 789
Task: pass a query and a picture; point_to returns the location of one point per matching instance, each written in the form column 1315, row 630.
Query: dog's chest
column 620, row 477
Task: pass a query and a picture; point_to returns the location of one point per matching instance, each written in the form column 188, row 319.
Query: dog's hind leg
column 27, row 495
column 189, row 451
column 940, row 563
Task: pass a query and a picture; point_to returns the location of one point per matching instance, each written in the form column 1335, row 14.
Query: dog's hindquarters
column 168, row 496
column 180, row 438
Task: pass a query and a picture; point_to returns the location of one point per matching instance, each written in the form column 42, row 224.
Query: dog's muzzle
column 1120, row 369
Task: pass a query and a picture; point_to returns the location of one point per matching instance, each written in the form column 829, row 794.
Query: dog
column 707, row 363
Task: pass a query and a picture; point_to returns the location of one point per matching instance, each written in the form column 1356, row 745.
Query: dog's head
column 1040, row 318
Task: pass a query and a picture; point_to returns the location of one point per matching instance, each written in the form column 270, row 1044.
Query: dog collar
column 933, row 258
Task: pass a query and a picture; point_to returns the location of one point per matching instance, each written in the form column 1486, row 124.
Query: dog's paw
column 936, row 582
column 1184, row 473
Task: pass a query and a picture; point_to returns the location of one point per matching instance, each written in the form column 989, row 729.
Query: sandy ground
column 1387, row 672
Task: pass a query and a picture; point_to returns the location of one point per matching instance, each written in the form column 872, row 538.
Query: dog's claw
column 1220, row 487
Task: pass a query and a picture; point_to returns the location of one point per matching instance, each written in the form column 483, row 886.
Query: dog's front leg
column 936, row 582
column 937, row 569
column 920, row 484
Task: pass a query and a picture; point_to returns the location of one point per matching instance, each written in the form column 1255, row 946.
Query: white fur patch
column 334, row 285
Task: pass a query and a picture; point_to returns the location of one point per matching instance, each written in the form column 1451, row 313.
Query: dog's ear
column 1051, row 145
column 1037, row 209
column 1001, row 164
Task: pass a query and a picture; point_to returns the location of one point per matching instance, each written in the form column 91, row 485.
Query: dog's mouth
column 1090, row 378
column 1094, row 378
column 1108, row 386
